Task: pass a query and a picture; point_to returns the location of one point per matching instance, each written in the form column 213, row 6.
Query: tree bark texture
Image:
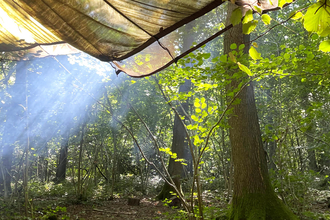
column 63, row 160
column 253, row 196
column 175, row 169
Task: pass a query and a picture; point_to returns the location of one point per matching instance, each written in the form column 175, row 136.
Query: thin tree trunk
column 27, row 147
column 114, row 158
column 80, row 195
column 253, row 196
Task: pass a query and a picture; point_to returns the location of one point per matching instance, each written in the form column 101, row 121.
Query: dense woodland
column 74, row 134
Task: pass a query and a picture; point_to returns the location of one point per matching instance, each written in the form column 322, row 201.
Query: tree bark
column 63, row 160
column 80, row 173
column 253, row 196
column 175, row 169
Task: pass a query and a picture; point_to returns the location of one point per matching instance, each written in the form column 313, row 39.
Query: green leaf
column 244, row 69
column 254, row 53
column 296, row 15
column 233, row 46
column 223, row 58
column 232, row 57
column 206, row 55
column 194, row 117
column 281, row 3
column 236, row 16
column 241, row 47
column 258, row 9
column 249, row 27
column 248, row 17
column 325, row 32
column 204, row 105
column 325, row 46
column 196, row 104
column 316, row 18
column 266, row 19
column 286, row 56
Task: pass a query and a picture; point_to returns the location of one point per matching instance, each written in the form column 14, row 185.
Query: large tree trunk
column 175, row 169
column 63, row 160
column 253, row 196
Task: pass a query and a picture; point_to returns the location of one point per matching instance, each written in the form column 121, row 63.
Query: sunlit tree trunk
column 253, row 196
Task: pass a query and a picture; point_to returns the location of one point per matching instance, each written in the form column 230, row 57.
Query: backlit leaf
column 249, row 27
column 281, row 3
column 266, row 19
column 325, row 46
column 258, row 9
column 254, row 54
column 316, row 18
column 248, row 17
column 244, row 69
column 296, row 15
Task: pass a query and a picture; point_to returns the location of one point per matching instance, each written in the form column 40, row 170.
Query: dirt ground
column 118, row 209
column 55, row 208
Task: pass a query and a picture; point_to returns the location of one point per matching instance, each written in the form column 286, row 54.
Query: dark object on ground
column 175, row 202
column 52, row 217
column 133, row 201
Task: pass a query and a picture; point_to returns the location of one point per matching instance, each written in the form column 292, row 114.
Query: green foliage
column 249, row 26
column 236, row 17
column 254, row 53
column 248, row 16
column 52, row 213
column 316, row 20
column 281, row 3
column 266, row 19
column 325, row 46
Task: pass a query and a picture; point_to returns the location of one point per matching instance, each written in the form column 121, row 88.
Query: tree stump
column 133, row 201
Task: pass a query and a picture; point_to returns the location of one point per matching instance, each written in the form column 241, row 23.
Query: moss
column 260, row 206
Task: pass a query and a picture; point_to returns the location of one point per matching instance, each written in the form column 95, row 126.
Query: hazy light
column 10, row 25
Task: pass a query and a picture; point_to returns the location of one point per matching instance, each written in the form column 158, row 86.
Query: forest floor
column 117, row 209
column 53, row 208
